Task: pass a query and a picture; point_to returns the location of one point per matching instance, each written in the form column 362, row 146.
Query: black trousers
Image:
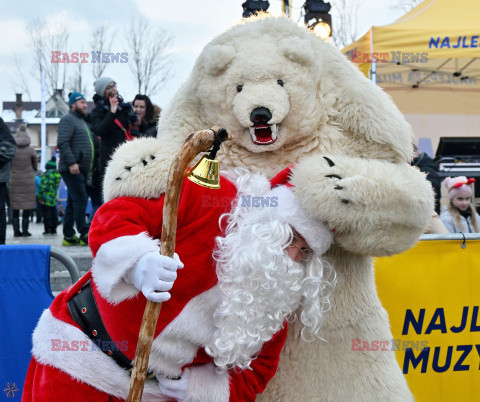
column 50, row 219
column 25, row 214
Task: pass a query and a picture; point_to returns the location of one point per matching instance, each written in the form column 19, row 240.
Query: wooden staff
column 195, row 143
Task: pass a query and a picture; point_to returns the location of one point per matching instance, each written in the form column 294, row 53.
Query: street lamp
column 251, row 7
column 318, row 18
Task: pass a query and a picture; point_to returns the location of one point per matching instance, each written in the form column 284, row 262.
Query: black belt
column 84, row 312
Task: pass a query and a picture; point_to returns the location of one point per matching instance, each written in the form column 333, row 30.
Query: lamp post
column 318, row 18
column 317, row 14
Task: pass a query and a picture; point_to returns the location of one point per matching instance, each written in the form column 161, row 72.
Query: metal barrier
column 66, row 260
column 451, row 236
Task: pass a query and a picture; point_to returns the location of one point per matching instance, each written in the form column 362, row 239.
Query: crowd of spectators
column 85, row 145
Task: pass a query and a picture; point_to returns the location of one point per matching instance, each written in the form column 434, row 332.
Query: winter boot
column 25, row 231
column 71, row 241
column 16, row 227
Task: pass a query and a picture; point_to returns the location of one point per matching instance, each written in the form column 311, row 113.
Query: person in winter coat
column 460, row 215
column 427, row 165
column 148, row 115
column 22, row 182
column 77, row 150
column 38, row 206
column 7, row 151
column 47, row 197
column 111, row 119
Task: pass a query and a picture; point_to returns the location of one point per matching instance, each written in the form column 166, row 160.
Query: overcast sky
column 193, row 24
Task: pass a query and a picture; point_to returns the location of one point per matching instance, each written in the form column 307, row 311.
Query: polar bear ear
column 217, row 58
column 297, row 50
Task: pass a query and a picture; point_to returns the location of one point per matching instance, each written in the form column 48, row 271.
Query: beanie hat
column 458, row 185
column 315, row 233
column 101, row 85
column 50, row 165
column 73, row 97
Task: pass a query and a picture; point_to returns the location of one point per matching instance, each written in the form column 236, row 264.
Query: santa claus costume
column 226, row 307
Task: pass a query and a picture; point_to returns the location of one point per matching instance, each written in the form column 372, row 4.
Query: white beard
column 261, row 286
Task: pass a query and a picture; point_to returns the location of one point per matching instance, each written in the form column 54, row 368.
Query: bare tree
column 76, row 81
column 405, row 5
column 101, row 42
column 148, row 56
column 46, row 38
column 345, row 22
column 20, row 82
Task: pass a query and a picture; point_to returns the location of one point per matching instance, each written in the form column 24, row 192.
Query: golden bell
column 205, row 173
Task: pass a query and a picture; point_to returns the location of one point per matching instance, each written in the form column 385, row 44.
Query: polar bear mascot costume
column 288, row 97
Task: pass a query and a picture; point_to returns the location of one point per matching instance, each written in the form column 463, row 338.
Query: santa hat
column 316, row 234
column 458, row 185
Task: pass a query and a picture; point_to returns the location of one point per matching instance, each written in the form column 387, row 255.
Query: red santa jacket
column 122, row 231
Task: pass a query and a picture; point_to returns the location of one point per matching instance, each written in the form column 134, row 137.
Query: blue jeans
column 76, row 204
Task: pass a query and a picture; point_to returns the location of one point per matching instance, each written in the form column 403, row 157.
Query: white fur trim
column 317, row 235
column 208, row 383
column 92, row 367
column 178, row 343
column 114, row 259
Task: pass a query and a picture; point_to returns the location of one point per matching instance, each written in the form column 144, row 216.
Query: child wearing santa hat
column 460, row 215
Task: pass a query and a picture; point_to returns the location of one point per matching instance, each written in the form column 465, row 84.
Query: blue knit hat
column 74, row 96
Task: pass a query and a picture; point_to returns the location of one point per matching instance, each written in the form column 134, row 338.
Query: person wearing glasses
column 111, row 119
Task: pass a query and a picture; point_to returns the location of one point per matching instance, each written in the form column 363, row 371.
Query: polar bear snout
column 262, row 132
column 260, row 116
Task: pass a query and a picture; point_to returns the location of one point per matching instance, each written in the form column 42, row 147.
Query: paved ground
column 59, row 276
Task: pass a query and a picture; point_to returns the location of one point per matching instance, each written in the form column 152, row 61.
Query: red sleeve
column 125, row 216
column 130, row 216
column 246, row 384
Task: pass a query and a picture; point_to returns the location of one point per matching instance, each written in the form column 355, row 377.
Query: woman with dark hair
column 148, row 115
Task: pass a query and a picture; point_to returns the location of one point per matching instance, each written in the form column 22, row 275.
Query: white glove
column 154, row 275
column 175, row 389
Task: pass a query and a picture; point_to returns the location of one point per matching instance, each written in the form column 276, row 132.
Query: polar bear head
column 283, row 93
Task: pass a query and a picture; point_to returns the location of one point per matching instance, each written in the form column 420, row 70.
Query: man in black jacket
column 77, row 157
column 7, row 152
column 111, row 119
column 427, row 165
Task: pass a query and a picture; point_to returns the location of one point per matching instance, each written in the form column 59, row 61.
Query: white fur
column 178, row 343
column 383, row 198
column 127, row 175
column 93, row 367
column 208, row 383
column 114, row 259
column 317, row 235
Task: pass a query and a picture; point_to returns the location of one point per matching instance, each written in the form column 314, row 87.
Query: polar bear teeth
column 267, row 135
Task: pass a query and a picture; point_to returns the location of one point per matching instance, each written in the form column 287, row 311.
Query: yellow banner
column 432, row 297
